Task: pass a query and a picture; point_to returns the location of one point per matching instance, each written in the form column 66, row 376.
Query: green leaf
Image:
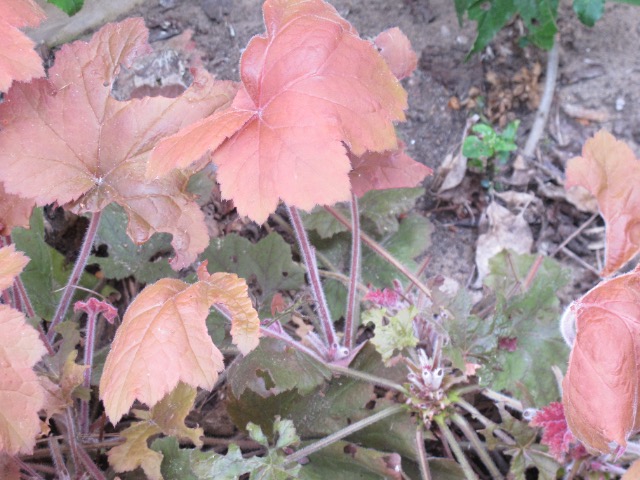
column 286, row 435
column 346, row 461
column 490, row 16
column 392, row 333
column 255, row 432
column 267, row 265
column 473, row 147
column 47, row 272
column 208, row 465
column 588, row 11
column 540, row 19
column 336, row 295
column 530, row 316
column 379, row 212
column 410, row 241
column 176, row 462
column 273, row 367
column 147, row 263
column 70, row 7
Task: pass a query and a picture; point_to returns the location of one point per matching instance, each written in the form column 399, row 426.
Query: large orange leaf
column 11, row 264
column 611, row 172
column 67, row 140
column 21, row 396
column 379, row 171
column 18, row 60
column 163, row 340
column 600, row 390
column 312, row 92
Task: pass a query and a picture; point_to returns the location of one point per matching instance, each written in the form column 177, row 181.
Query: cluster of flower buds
column 425, row 385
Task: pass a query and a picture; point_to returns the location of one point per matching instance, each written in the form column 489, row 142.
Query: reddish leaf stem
column 74, row 278
column 267, row 332
column 376, row 247
column 309, row 258
column 90, row 466
column 27, row 468
column 354, row 276
column 89, row 348
column 71, row 437
column 58, row 460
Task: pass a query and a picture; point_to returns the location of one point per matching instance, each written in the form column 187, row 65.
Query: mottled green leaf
column 273, row 367
column 209, row 465
column 267, row 265
column 147, row 262
column 47, row 272
column 392, row 332
column 532, row 317
column 70, row 7
column 588, row 11
column 176, row 462
column 411, row 240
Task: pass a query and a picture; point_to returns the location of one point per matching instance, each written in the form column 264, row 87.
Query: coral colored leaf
column 167, row 417
column 381, row 171
column 67, row 140
column 15, row 211
column 21, row 395
column 312, row 91
column 11, row 264
column 18, row 60
column 396, row 50
column 163, row 339
column 611, row 172
column 600, row 389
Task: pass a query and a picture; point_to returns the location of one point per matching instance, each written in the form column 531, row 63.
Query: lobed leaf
column 310, row 88
column 600, row 389
column 395, row 48
column 166, row 417
column 15, row 211
column 163, row 340
column 21, row 395
column 11, row 264
column 67, row 140
column 18, row 60
column 610, row 171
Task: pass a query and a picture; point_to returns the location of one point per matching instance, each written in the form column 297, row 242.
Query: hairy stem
column 308, row 255
column 425, row 472
column 367, row 377
column 267, row 332
column 485, row 421
column 463, row 425
column 58, row 460
column 354, row 274
column 376, row 247
column 499, row 397
column 340, row 434
column 455, row 447
column 74, row 278
column 90, row 466
column 27, row 468
column 89, row 347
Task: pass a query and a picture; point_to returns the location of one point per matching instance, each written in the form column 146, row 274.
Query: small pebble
column 620, row 104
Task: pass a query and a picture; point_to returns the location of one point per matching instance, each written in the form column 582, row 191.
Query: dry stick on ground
column 545, row 103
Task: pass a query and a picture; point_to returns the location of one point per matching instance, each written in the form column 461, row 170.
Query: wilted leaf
column 21, row 395
column 18, row 60
column 163, row 339
column 11, row 264
column 146, row 262
column 600, row 390
column 67, row 140
column 396, row 50
column 167, row 417
column 610, row 171
column 310, row 87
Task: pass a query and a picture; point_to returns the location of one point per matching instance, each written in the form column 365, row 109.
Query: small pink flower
column 93, row 306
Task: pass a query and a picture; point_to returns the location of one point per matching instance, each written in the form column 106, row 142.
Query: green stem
column 455, row 446
column 485, row 421
column 376, row 247
column 367, row 377
column 463, row 425
column 340, row 434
